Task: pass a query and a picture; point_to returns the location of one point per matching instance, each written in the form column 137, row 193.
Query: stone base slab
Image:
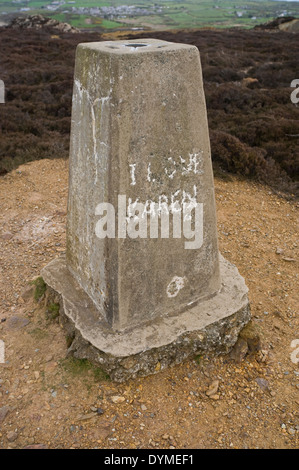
column 211, row 325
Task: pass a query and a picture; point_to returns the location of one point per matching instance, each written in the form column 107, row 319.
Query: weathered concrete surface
column 137, row 304
column 211, row 325
column 139, row 129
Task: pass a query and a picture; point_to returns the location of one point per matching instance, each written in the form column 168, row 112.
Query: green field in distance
column 162, row 14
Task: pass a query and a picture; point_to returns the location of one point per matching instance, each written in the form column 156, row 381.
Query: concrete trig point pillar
column 143, row 285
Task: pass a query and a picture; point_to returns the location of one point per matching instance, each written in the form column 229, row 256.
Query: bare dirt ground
column 48, row 400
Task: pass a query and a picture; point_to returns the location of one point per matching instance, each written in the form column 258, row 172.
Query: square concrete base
column 212, row 324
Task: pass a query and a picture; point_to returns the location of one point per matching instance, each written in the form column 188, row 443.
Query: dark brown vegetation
column 254, row 126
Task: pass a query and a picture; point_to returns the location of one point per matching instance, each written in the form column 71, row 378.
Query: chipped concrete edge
column 211, row 326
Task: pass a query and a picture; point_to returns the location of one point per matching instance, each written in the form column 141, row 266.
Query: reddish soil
column 46, row 399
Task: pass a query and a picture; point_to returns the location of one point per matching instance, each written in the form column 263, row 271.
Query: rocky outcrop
column 290, row 26
column 287, row 23
column 40, row 22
